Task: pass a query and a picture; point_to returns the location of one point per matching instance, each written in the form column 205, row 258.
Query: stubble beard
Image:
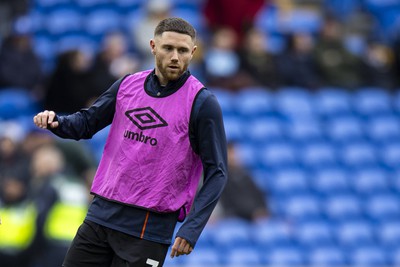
column 168, row 74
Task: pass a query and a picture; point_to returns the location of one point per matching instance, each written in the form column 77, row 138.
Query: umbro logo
column 145, row 118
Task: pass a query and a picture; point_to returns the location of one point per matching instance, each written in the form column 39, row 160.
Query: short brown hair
column 175, row 25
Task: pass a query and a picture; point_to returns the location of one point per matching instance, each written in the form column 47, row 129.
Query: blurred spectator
column 18, row 220
column 56, row 221
column 378, row 62
column 296, row 64
column 69, row 89
column 335, row 64
column 11, row 154
column 257, row 62
column 111, row 63
column 16, row 212
column 79, row 159
column 237, row 15
column 9, row 11
column 19, row 65
column 222, row 61
column 143, row 30
column 241, row 197
column 47, row 162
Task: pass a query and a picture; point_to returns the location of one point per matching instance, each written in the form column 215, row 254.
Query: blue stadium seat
column 265, row 129
column 369, row 256
column 396, row 102
column 384, row 129
column 390, row 154
column 80, row 42
column 45, row 47
column 359, row 155
column 195, row 4
column 288, row 181
column 273, row 20
column 234, row 128
column 270, row 233
column 333, row 102
column 255, row 101
column 369, row 181
column 302, row 207
column 128, row 5
column 267, row 19
column 304, row 131
column 382, row 3
column 317, row 155
column 247, row 154
column 247, row 256
column 286, row 256
column 394, row 256
column 295, row 103
column 369, row 102
column 89, row 4
column 207, row 237
column 230, row 233
column 16, row 102
column 202, row 257
column 193, row 16
column 352, row 234
column 97, row 26
column 327, row 256
column 64, row 20
column 384, row 206
column 395, row 180
column 301, row 20
column 346, row 129
column 343, row 207
column 331, row 181
column 389, row 233
column 314, row 233
column 34, row 21
column 226, row 100
column 45, row 5
column 278, row 155
column 262, row 177
column 131, row 17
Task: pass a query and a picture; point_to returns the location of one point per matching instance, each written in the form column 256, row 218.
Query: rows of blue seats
column 339, row 200
column 286, row 243
column 59, row 25
column 333, row 202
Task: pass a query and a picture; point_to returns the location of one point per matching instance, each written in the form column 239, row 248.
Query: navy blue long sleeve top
column 207, row 137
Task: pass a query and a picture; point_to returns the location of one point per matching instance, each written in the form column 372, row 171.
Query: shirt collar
column 154, row 88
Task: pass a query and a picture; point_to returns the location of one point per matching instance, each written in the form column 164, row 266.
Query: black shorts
column 98, row 246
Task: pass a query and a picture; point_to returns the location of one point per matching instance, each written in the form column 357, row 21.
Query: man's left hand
column 181, row 247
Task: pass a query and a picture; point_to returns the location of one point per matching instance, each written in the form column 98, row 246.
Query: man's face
column 173, row 52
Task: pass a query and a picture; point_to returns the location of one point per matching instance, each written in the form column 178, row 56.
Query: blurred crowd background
column 309, row 91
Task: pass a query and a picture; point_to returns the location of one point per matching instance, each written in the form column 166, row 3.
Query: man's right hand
column 45, row 119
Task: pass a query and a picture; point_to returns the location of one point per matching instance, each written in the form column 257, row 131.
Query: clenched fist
column 45, row 119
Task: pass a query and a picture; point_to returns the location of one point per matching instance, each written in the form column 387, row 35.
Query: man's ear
column 193, row 51
column 153, row 46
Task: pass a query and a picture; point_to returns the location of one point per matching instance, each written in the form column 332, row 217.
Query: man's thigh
column 89, row 247
column 131, row 251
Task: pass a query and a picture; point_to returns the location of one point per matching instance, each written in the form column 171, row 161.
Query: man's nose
column 174, row 55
